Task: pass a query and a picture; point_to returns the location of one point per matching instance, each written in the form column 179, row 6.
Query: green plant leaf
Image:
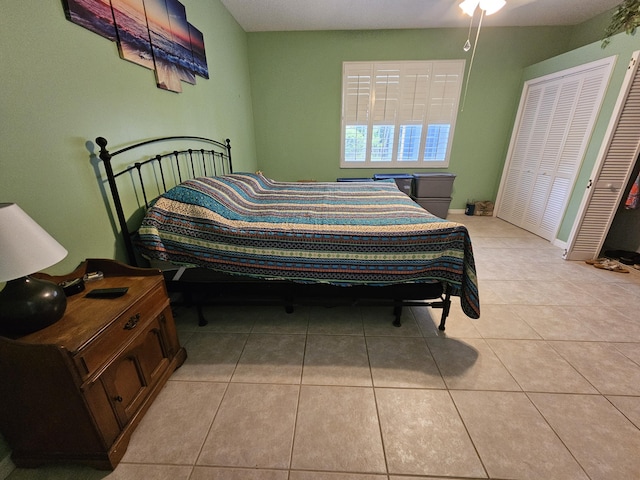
column 625, row 18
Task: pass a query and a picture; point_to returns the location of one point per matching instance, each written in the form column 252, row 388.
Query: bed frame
column 200, row 286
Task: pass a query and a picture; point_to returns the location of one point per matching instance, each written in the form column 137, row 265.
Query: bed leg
column 201, row 320
column 189, row 301
column 288, row 305
column 397, row 312
column 446, row 306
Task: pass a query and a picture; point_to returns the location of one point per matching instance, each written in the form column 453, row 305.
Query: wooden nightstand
column 76, row 390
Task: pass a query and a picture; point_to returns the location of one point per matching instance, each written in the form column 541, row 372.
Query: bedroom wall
column 296, row 85
column 63, row 85
column 590, row 31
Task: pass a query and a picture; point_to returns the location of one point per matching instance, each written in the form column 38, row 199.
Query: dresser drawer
column 121, row 332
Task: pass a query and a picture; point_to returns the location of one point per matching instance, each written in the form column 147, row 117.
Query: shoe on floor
column 597, row 260
column 630, row 259
column 625, row 256
column 611, row 266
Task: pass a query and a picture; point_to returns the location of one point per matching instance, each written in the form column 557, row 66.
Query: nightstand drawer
column 121, row 332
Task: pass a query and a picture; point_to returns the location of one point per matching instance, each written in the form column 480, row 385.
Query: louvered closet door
column 612, row 172
column 528, row 139
column 555, row 122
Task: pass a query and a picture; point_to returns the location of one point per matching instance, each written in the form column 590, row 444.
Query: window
column 399, row 114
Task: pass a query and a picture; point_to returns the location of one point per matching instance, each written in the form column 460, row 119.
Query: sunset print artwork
column 133, row 35
column 93, row 15
column 152, row 33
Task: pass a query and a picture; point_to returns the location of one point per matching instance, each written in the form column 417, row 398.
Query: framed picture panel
column 154, row 34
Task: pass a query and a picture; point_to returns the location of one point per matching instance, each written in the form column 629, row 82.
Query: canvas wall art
column 94, row 15
column 152, row 33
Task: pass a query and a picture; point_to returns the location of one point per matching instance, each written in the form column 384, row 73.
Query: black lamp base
column 29, row 304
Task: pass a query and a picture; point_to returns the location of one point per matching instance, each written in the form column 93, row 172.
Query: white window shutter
column 393, row 104
column 357, row 87
column 414, row 95
column 386, row 94
column 446, row 84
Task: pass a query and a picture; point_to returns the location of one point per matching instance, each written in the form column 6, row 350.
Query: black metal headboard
column 204, row 157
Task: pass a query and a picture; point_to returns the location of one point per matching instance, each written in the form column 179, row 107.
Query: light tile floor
column 545, row 385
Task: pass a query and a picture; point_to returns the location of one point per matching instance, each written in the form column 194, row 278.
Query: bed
column 230, row 237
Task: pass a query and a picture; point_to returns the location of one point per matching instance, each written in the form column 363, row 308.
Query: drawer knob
column 118, row 398
column 133, row 322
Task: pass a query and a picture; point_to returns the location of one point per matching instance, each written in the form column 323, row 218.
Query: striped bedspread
column 346, row 233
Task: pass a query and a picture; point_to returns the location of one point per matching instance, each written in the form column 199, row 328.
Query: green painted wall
column 63, row 85
column 622, row 46
column 590, row 31
column 296, row 87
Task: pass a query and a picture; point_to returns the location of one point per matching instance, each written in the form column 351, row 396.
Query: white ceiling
column 288, row 15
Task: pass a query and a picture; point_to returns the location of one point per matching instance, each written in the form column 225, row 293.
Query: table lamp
column 27, row 304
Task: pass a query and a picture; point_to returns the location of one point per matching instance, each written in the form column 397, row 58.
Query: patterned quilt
column 342, row 233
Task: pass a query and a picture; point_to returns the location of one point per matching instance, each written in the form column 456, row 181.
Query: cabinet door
column 153, row 352
column 130, row 376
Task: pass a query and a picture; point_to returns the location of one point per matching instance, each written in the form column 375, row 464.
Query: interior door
column 528, row 140
column 548, row 188
column 554, row 124
column 611, row 173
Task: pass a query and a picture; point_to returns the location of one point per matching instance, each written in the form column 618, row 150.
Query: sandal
column 611, row 266
column 593, row 261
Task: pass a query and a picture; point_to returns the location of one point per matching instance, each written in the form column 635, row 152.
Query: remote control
column 107, row 292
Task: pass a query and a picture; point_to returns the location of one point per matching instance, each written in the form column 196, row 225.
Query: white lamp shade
column 491, row 6
column 25, row 247
column 469, row 6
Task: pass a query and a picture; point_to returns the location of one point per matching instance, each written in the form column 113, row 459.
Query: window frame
column 395, row 96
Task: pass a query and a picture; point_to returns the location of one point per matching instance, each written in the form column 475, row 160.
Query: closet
column 624, row 233
column 612, row 174
column 555, row 119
